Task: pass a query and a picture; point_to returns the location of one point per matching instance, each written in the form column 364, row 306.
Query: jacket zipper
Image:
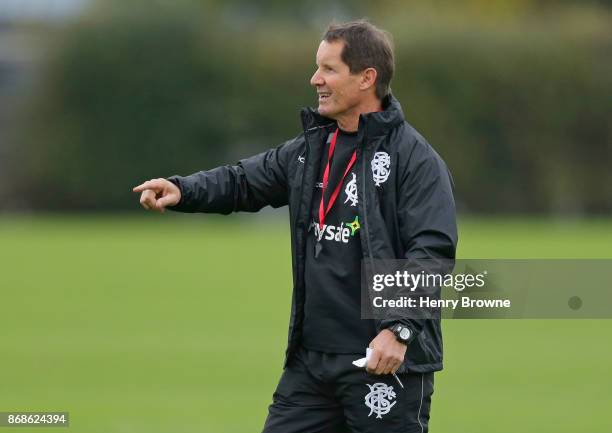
column 365, row 204
column 301, row 239
column 365, row 212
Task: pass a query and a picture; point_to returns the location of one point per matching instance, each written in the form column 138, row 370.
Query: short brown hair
column 365, row 46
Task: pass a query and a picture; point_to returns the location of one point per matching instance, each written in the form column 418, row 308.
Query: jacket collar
column 376, row 124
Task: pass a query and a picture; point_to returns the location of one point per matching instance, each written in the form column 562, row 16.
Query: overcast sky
column 40, row 9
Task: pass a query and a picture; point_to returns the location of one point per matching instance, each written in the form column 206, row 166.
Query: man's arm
column 426, row 215
column 428, row 230
column 247, row 186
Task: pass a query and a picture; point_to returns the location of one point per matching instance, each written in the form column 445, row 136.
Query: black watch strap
column 402, row 333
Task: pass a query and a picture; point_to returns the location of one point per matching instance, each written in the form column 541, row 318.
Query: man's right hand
column 157, row 194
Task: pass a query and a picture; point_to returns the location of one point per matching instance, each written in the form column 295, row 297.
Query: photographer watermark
column 431, row 289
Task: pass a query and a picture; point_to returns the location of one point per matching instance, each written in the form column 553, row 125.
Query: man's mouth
column 323, row 96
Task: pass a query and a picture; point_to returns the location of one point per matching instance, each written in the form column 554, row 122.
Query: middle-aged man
column 360, row 183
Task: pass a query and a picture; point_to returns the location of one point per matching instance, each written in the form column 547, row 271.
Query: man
column 360, row 183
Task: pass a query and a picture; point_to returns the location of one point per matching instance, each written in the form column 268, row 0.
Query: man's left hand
column 387, row 353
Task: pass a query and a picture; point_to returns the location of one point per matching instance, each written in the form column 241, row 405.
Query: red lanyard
column 323, row 211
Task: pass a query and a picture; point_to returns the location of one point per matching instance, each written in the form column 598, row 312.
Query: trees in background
column 517, row 100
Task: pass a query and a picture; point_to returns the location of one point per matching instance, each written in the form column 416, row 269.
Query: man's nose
column 316, row 79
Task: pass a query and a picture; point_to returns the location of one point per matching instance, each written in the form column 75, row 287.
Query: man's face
column 337, row 88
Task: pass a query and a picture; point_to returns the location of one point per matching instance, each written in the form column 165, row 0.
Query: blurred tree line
column 515, row 95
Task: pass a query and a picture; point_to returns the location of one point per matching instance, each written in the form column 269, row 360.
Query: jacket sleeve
column 426, row 207
column 248, row 186
column 426, row 217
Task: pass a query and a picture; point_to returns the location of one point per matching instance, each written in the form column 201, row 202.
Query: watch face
column 404, row 334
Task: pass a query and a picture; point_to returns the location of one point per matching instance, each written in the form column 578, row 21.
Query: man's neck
column 349, row 122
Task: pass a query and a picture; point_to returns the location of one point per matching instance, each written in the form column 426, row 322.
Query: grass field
column 137, row 324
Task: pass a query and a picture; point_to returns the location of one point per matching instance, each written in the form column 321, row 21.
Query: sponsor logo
column 354, row 226
column 332, row 233
column 341, row 233
column 380, row 167
column 378, row 400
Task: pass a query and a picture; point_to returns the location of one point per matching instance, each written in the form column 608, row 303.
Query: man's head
column 354, row 68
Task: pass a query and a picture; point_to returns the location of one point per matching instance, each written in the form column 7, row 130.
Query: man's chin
column 325, row 112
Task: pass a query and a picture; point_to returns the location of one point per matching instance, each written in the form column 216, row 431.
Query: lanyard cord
column 323, row 211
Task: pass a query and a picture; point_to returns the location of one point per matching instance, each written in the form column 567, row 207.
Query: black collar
column 378, row 123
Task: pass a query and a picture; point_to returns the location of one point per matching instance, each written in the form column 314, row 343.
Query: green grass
column 178, row 324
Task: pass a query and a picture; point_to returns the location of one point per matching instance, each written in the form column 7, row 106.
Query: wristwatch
column 401, row 332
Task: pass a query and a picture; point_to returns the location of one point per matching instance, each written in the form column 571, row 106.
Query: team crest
column 351, row 191
column 379, row 399
column 381, row 164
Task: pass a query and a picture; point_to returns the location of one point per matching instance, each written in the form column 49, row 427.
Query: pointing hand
column 157, row 194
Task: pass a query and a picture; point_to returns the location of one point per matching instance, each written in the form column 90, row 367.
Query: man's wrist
column 174, row 180
column 402, row 333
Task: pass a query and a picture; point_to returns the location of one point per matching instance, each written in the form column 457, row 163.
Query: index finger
column 155, row 184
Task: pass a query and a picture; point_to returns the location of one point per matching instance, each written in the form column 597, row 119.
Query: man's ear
column 368, row 78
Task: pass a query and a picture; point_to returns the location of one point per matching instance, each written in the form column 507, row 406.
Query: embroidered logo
column 379, row 399
column 301, row 159
column 380, row 167
column 351, row 191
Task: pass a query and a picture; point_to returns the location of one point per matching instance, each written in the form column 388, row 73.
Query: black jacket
column 409, row 215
